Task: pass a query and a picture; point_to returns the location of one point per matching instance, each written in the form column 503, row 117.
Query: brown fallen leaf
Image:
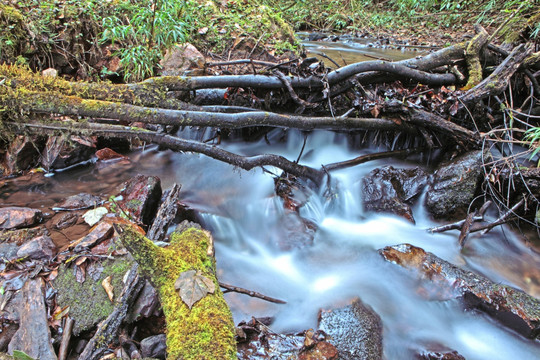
column 192, row 286
column 107, row 285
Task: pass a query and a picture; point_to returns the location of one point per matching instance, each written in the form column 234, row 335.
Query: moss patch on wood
column 207, row 330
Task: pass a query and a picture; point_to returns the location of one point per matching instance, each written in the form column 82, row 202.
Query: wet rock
column 9, row 250
column 454, row 185
column 181, row 58
column 391, row 190
column 33, row 336
column 146, row 305
column 18, row 217
column 140, row 197
column 40, row 248
column 101, row 232
column 22, row 153
column 59, row 153
column 109, row 154
column 79, row 202
column 510, row 306
column 320, row 351
column 355, row 330
column 87, row 300
column 296, row 232
column 66, row 220
column 447, row 355
column 154, row 346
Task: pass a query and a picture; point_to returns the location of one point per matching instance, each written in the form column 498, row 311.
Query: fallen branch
column 177, row 144
column 251, row 293
column 369, row 157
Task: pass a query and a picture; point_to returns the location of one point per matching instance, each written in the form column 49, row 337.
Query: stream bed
column 261, row 246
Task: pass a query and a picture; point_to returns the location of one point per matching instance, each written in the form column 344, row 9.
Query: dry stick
column 241, row 61
column 290, row 89
column 501, row 220
column 479, row 216
column 369, row 157
column 466, row 229
column 66, row 336
column 250, row 293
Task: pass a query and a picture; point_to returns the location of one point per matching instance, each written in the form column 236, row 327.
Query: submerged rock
column 140, row 198
column 454, row 185
column 510, row 306
column 33, row 336
column 391, row 190
column 17, row 217
column 355, row 330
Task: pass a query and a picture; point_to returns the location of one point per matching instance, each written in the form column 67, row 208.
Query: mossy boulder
column 87, row 300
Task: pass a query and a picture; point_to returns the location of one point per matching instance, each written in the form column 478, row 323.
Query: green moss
column 14, row 37
column 207, row 330
column 88, row 302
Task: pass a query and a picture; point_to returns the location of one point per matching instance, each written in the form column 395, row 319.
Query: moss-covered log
column 206, row 331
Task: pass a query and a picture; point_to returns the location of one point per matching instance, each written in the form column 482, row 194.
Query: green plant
column 533, row 136
column 143, row 29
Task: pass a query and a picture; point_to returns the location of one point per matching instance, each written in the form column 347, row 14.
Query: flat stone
column 140, row 197
column 101, row 232
column 154, row 346
column 17, row 217
column 355, row 330
column 454, row 186
column 33, row 336
column 40, row 248
column 109, row 154
column 79, row 202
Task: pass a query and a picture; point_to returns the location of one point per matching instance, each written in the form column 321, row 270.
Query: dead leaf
column 109, row 289
column 192, row 286
column 375, row 111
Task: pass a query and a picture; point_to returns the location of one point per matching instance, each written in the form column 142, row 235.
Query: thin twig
column 369, row 157
column 251, row 293
column 290, row 89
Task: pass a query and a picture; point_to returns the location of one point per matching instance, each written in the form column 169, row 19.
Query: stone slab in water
column 510, row 306
column 140, row 197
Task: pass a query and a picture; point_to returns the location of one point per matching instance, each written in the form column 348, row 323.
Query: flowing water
column 250, row 227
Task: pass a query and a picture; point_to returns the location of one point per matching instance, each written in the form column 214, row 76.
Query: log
column 204, row 330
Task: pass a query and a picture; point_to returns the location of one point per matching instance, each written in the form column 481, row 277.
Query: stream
column 260, row 245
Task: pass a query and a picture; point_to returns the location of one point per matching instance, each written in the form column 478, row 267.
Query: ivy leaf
column 192, row 286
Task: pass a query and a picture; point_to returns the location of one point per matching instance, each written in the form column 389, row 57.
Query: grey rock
column 146, row 305
column 454, row 185
column 390, row 190
column 355, row 330
column 78, row 202
column 39, row 248
column 154, row 346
